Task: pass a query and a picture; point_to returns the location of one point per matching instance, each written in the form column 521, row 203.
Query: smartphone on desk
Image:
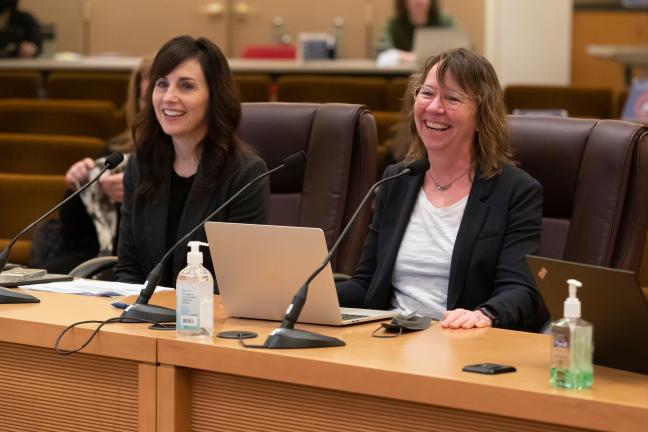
column 489, row 368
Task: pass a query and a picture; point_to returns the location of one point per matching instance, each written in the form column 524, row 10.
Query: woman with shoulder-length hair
column 452, row 242
column 189, row 159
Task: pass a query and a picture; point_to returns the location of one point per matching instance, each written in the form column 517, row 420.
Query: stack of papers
column 93, row 288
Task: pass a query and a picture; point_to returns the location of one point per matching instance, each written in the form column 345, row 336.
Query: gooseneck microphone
column 7, row 296
column 286, row 336
column 144, row 311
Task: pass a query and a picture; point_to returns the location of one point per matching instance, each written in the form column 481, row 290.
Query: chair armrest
column 93, row 266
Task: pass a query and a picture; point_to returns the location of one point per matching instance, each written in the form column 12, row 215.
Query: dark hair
column 477, row 77
column 401, row 29
column 221, row 149
column 11, row 5
column 434, row 15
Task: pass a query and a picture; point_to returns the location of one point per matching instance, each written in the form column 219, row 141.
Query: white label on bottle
column 188, row 311
column 189, row 320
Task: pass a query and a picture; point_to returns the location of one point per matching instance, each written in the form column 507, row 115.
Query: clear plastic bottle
column 195, row 298
column 571, row 346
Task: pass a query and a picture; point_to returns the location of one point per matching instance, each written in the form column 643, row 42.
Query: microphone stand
column 142, row 310
column 286, row 336
column 8, row 296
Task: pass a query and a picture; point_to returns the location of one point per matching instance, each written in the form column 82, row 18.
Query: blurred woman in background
column 89, row 222
column 398, row 36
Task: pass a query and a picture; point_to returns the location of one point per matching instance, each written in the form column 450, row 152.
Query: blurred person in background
column 20, row 34
column 396, row 43
column 89, row 223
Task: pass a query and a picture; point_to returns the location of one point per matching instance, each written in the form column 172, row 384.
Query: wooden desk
column 132, row 378
column 413, row 382
column 273, row 67
column 111, row 388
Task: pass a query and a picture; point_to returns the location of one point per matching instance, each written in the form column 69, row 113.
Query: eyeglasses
column 450, row 100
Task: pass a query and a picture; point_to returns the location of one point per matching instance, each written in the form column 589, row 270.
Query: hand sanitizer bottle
column 195, row 298
column 571, row 345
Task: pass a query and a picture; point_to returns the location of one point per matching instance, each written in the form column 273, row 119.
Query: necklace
column 445, row 187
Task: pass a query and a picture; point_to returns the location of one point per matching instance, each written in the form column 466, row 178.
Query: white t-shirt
column 422, row 267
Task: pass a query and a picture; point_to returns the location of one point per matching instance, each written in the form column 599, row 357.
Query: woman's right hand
column 77, row 175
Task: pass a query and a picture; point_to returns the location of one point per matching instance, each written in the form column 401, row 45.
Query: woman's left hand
column 465, row 319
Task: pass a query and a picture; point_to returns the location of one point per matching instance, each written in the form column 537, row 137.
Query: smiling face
column 418, row 11
column 180, row 101
column 445, row 115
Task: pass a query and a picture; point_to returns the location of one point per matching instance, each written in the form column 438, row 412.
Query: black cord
column 94, row 333
column 241, row 341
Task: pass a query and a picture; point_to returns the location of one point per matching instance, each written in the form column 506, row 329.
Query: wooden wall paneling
column 604, row 28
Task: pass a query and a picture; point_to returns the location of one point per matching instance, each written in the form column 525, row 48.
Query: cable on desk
column 96, row 331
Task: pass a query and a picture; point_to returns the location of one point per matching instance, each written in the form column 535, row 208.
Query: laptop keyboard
column 347, row 317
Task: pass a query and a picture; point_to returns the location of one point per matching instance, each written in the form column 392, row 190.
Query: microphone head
column 113, row 160
column 298, row 158
column 417, row 167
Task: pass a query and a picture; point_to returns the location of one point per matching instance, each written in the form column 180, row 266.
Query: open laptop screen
column 611, row 300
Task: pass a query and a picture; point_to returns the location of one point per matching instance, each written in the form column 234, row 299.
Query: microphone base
column 158, row 314
column 282, row 338
column 8, row 296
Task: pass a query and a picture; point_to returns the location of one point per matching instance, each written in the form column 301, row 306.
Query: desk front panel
column 110, row 386
column 43, row 391
column 222, row 402
column 384, row 382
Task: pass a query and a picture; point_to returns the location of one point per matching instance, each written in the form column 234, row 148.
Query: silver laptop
column 430, row 41
column 611, row 300
column 259, row 268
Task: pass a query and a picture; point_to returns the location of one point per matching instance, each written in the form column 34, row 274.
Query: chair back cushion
column 340, row 143
column 589, row 173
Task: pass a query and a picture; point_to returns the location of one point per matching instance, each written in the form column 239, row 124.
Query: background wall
column 528, row 41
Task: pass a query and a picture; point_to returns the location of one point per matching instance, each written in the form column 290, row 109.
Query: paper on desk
column 92, row 287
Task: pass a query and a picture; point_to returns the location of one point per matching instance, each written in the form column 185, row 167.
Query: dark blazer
column 502, row 223
column 142, row 230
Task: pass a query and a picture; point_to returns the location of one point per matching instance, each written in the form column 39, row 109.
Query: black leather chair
column 595, row 179
column 340, row 143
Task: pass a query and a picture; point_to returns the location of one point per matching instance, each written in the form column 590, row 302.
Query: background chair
column 61, row 117
column 394, row 93
column 19, row 84
column 24, row 198
column 44, row 154
column 99, row 267
column 585, row 102
column 340, row 143
column 386, row 126
column 327, row 89
column 254, row 87
column 595, row 179
column 109, row 86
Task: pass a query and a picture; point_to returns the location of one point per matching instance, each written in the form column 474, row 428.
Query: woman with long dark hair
column 188, row 160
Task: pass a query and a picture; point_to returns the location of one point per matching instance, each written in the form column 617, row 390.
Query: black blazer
column 502, row 223
column 142, row 230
